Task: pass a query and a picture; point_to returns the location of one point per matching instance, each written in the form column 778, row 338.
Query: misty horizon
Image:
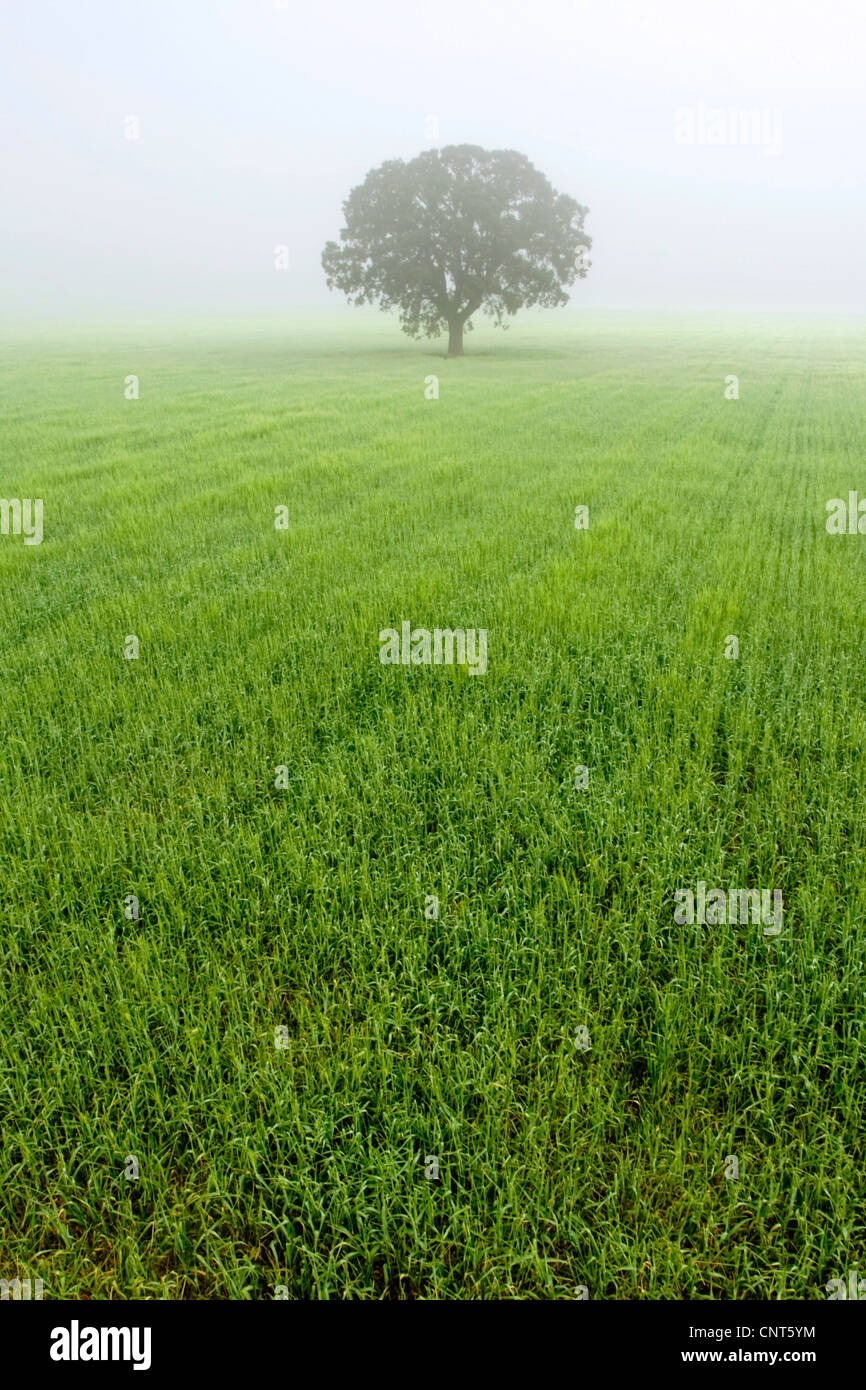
column 716, row 153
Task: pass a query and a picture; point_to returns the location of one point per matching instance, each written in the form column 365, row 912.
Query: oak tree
column 454, row 231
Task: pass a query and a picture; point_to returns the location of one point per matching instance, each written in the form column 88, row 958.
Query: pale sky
column 255, row 121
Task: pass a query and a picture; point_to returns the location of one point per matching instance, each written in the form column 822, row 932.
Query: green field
column 302, row 908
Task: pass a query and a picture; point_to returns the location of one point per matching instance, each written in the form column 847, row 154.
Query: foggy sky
column 257, row 119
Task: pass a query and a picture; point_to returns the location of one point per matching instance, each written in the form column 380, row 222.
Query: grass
column 303, row 908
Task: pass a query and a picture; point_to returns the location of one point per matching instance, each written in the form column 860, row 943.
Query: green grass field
column 303, row 908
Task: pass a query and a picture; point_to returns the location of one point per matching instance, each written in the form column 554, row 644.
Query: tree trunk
column 455, row 338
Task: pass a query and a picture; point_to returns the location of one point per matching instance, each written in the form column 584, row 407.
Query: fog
column 154, row 155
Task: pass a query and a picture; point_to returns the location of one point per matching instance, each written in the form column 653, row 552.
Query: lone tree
column 453, row 231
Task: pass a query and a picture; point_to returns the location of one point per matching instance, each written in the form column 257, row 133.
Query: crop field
column 328, row 977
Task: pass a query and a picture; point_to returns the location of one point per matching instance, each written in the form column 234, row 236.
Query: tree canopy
column 454, row 231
